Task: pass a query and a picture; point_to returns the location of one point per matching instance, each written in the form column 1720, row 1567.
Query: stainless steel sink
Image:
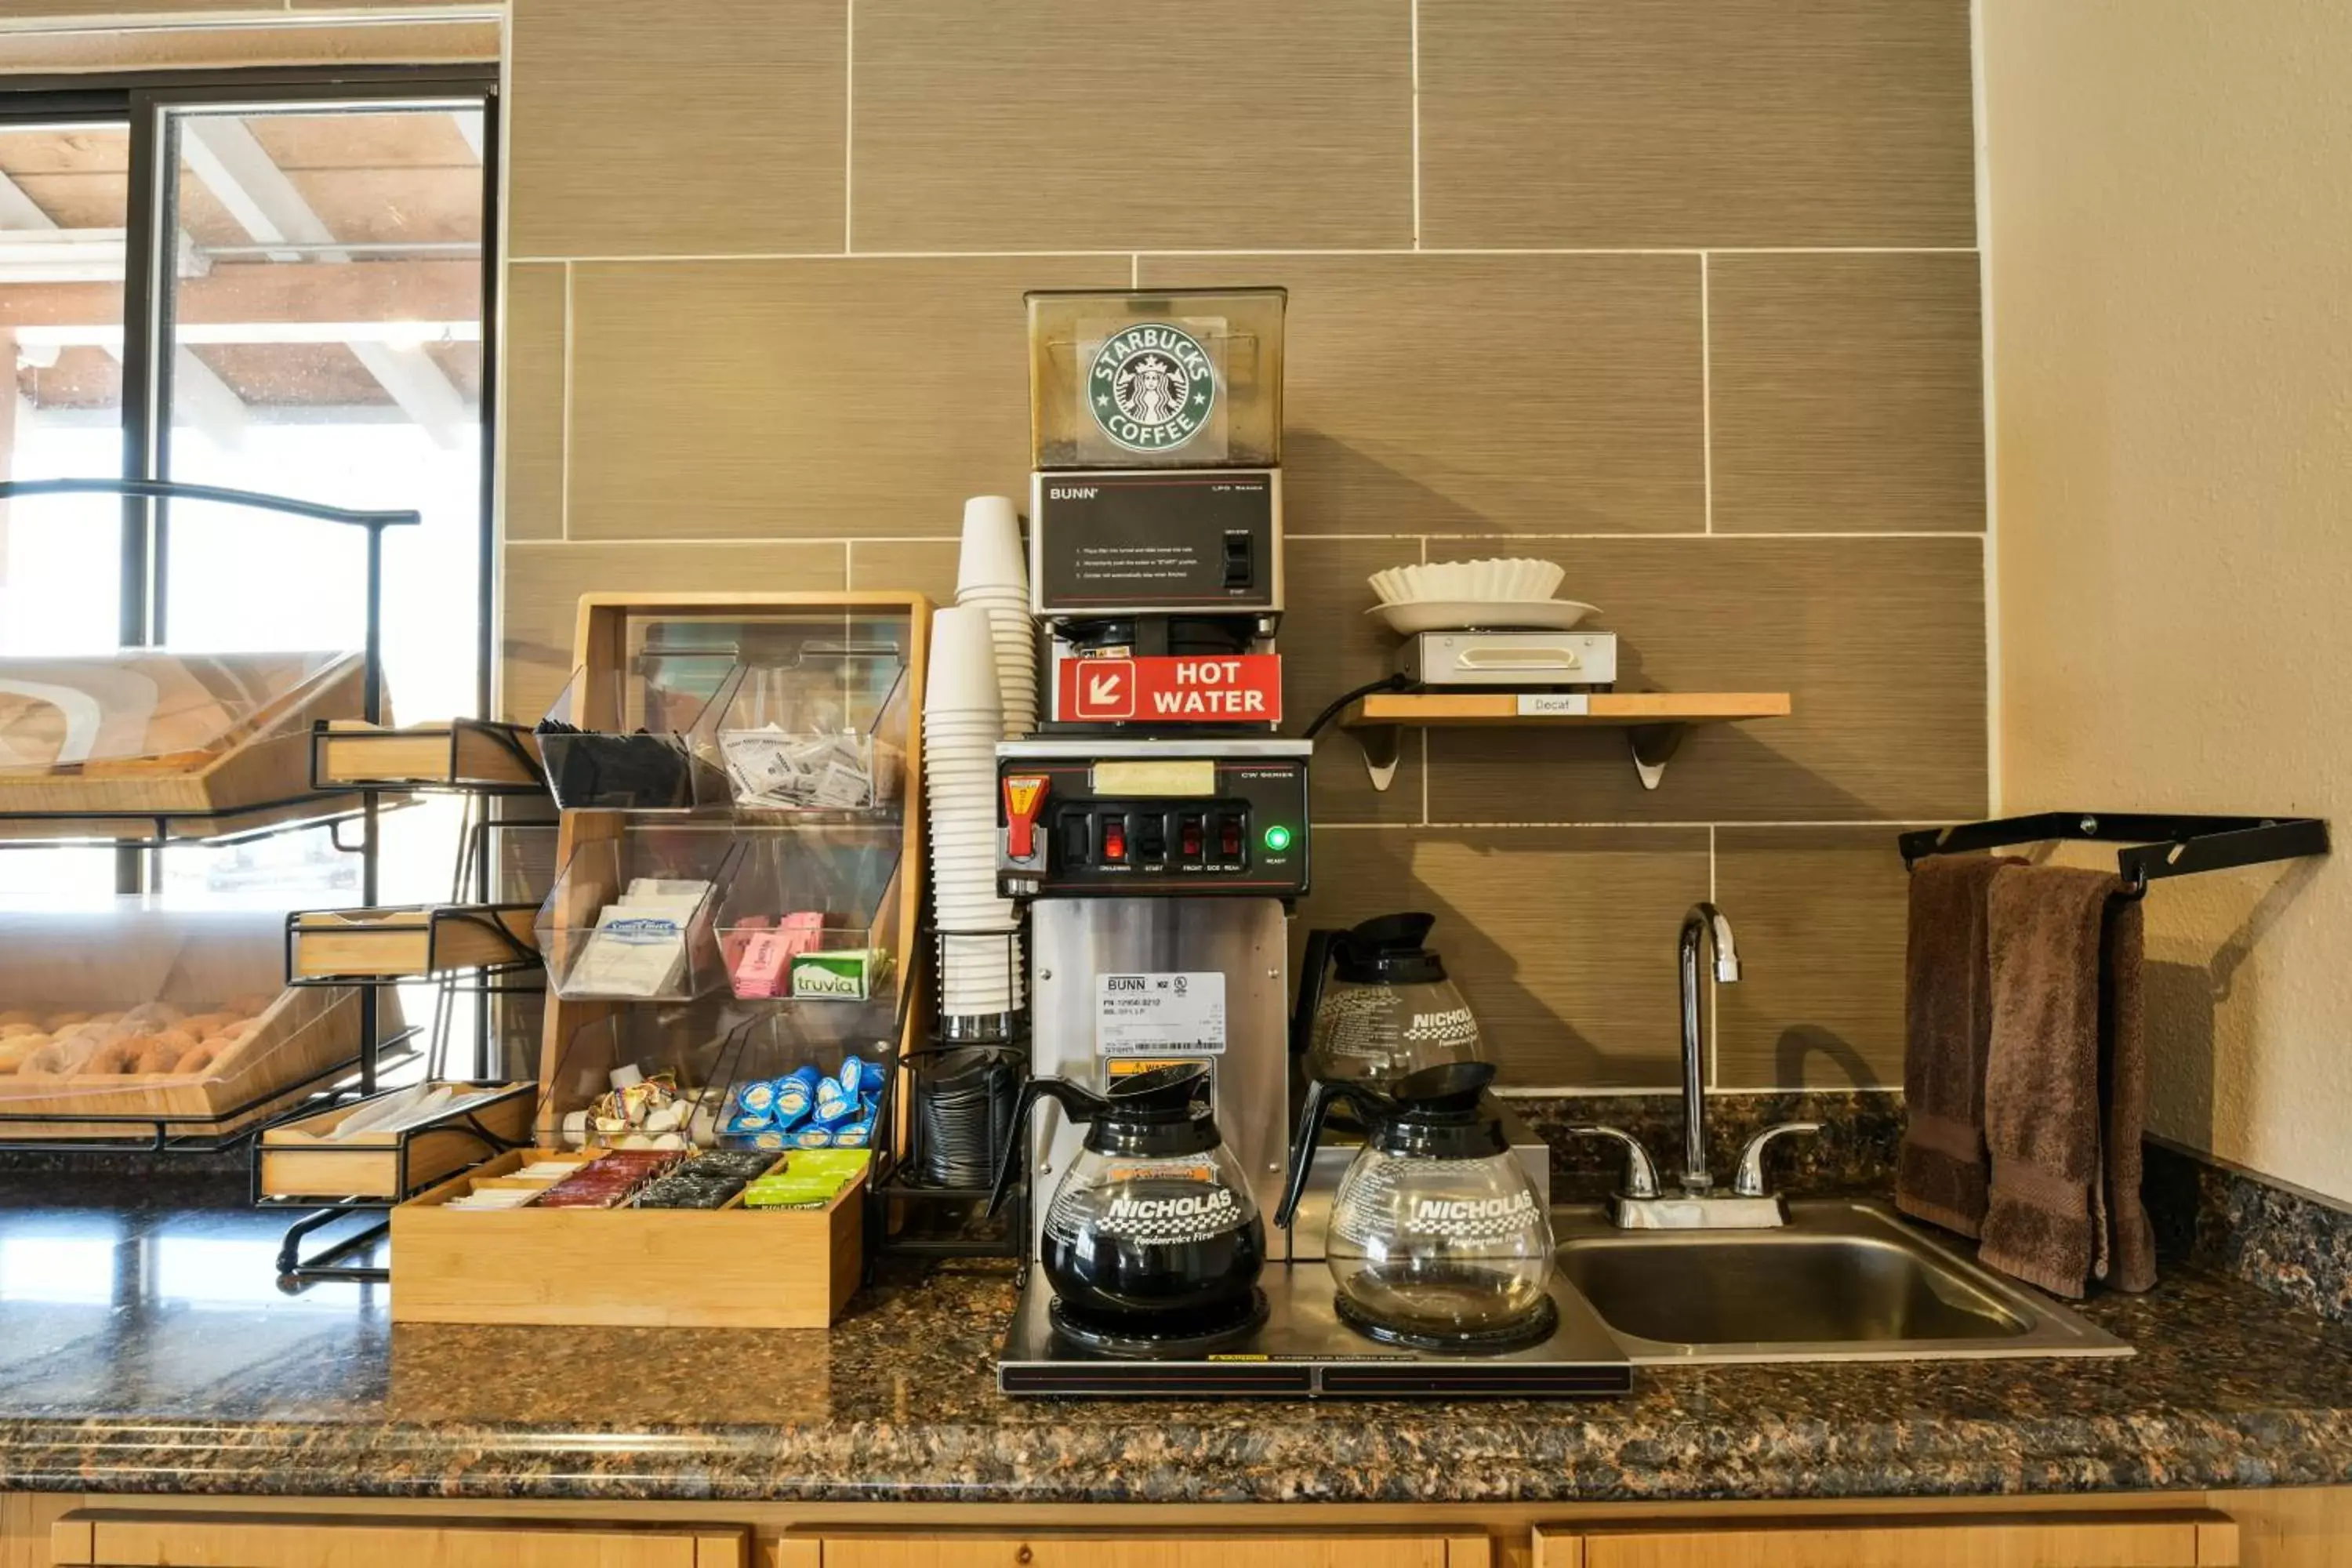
column 1841, row 1281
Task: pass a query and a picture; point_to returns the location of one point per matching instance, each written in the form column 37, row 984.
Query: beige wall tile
column 533, row 407
column 1879, row 641
column 1848, row 393
column 1562, row 940
column 1696, row 122
column 1035, row 124
column 1483, row 393
column 1820, row 915
column 922, row 565
column 540, row 597
column 714, row 127
column 43, row 10
column 95, row 48
column 816, row 399
column 1328, row 646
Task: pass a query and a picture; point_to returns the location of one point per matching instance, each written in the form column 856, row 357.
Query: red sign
column 1242, row 690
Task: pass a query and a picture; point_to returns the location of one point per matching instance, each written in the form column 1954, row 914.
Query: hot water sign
column 1244, row 689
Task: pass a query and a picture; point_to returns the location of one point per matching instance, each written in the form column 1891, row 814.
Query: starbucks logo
column 1152, row 387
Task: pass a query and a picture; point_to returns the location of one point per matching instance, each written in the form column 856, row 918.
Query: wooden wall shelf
column 1655, row 722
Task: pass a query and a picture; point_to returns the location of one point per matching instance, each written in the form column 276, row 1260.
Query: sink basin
column 1841, row 1281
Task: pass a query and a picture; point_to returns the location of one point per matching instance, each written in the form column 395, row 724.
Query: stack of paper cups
column 962, row 720
column 993, row 575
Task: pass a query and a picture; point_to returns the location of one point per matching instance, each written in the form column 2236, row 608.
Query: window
column 270, row 280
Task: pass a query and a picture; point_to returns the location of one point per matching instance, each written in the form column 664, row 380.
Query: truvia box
column 1127, row 378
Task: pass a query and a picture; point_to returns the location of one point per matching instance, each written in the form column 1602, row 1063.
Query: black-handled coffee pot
column 1152, row 1230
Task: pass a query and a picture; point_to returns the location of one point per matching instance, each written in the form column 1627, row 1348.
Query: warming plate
column 1305, row 1351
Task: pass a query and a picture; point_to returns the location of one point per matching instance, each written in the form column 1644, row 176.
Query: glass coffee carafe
column 1375, row 1005
column 1438, row 1239
column 1151, row 1242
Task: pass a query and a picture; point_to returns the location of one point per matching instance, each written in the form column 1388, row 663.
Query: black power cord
column 1385, row 683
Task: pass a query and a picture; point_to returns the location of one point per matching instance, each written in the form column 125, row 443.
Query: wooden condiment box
column 706, row 1269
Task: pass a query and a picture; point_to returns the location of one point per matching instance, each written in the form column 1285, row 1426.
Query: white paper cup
column 962, row 673
column 991, row 555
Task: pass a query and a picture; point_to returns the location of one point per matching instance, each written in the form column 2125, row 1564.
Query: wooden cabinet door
column 2181, row 1539
column 1130, row 1549
column 122, row 1538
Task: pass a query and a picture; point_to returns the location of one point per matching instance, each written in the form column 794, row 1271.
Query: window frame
column 143, row 101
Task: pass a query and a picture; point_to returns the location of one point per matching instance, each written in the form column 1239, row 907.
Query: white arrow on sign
column 1101, row 690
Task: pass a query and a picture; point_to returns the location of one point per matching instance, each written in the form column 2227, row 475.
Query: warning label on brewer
column 1181, row 1014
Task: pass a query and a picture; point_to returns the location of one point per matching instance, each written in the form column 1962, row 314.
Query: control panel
column 1156, row 541
column 1075, row 821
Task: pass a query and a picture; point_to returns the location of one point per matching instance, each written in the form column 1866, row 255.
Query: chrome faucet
column 1639, row 1203
column 1703, row 920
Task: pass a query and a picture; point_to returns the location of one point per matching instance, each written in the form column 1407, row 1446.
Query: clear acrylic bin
column 826, row 731
column 1130, row 378
column 625, row 744
column 810, row 915
column 633, row 917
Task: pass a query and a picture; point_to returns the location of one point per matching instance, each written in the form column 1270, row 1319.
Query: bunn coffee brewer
column 1156, row 828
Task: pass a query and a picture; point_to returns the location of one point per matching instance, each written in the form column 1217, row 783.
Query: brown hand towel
column 2064, row 1082
column 1940, row 1173
column 2123, row 1064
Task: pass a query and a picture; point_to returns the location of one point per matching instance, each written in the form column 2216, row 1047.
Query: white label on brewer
column 1159, row 1014
column 1554, row 704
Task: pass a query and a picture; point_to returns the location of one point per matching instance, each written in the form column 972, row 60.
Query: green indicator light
column 1278, row 838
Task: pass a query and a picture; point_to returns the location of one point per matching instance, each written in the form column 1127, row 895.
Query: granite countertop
column 148, row 1350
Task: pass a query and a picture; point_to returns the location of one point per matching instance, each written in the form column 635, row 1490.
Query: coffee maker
column 1156, row 828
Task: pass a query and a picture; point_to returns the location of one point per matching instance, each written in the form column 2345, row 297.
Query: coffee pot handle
column 1312, row 965
column 1078, row 1104
column 1319, row 1096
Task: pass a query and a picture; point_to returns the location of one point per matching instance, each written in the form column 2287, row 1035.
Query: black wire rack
column 2158, row 845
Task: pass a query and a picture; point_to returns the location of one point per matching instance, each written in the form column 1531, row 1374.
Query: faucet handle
column 1749, row 1182
column 1641, row 1175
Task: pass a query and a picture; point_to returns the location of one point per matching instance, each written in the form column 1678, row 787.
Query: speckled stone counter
column 148, row 1351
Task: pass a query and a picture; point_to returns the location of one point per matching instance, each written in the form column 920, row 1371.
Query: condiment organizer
column 826, row 732
column 732, row 1267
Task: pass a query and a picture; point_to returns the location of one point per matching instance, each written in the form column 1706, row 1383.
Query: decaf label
column 1152, row 387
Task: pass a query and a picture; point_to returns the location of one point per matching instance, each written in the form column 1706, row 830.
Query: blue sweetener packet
column 812, row 1138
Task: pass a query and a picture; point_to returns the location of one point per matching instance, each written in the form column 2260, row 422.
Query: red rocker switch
column 1023, row 795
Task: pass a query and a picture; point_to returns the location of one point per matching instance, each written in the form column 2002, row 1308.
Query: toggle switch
column 1114, row 840
column 1240, row 564
column 1023, row 795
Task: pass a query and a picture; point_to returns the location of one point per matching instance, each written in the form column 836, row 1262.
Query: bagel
column 198, row 1059
column 156, row 1056
column 120, row 1057
column 56, row 1021
column 15, row 1016
column 253, row 1003
column 16, row 1047
column 56, row 1059
column 9, row 1030
column 204, row 1025
column 114, row 1017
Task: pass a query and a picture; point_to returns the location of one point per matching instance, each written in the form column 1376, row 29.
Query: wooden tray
column 306, row 1037
column 707, row 1268
column 259, row 771
column 299, row 1161
column 408, row 943
column 460, row 754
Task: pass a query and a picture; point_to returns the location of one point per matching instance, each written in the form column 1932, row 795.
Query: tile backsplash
column 1682, row 295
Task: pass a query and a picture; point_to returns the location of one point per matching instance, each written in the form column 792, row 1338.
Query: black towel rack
column 2160, row 844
